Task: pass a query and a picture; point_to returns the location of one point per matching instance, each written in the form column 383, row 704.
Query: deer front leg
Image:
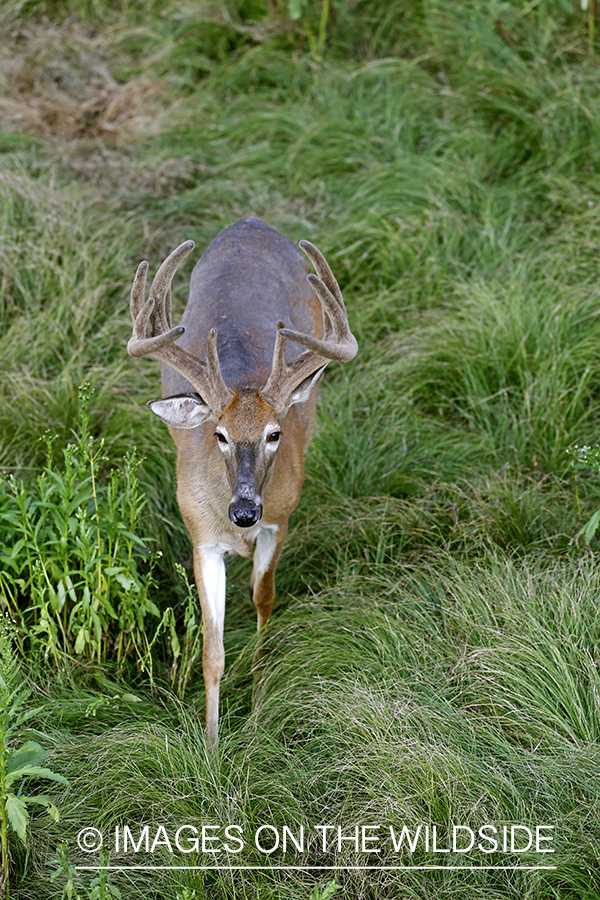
column 268, row 547
column 209, row 569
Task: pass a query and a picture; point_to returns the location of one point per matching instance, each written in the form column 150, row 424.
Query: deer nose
column 245, row 513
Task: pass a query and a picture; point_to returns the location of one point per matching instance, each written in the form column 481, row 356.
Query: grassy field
column 434, row 655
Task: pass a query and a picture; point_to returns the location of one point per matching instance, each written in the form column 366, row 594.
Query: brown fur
column 247, row 449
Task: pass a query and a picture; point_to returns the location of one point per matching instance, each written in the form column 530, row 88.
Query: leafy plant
column 192, row 621
column 100, row 887
column 326, row 892
column 586, row 458
column 16, row 764
column 71, row 555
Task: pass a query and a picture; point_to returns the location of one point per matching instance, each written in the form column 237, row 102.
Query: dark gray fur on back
column 249, row 277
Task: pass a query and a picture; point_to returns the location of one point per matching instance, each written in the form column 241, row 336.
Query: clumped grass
column 17, row 764
column 434, row 652
column 62, row 307
column 66, row 264
column 466, row 696
column 516, row 365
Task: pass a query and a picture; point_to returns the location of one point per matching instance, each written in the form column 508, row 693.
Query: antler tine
column 323, row 270
column 153, row 335
column 138, row 290
column 217, row 387
column 161, row 284
column 338, row 343
column 154, row 314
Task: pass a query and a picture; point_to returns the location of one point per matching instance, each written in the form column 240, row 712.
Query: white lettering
column 405, row 834
column 352, row 837
column 192, row 842
column 259, row 846
column 455, row 830
column 513, row 831
column 232, row 837
column 161, row 839
column 299, row 845
column 144, row 839
column 487, row 837
column 369, row 837
column 543, row 837
column 324, row 829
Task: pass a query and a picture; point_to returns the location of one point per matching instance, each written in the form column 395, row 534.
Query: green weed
column 100, row 887
column 71, row 555
column 588, row 459
column 16, row 764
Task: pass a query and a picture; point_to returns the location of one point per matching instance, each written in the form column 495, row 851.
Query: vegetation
column 17, row 764
column 72, row 551
column 434, row 654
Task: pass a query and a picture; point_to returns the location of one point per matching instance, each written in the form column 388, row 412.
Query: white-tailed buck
column 239, row 400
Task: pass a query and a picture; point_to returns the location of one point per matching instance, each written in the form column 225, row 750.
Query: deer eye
column 221, row 438
column 273, row 437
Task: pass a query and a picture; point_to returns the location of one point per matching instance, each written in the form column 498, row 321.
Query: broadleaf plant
column 20, row 762
column 586, row 458
column 75, row 574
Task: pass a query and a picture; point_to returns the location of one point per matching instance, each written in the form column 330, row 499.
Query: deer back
column 249, row 277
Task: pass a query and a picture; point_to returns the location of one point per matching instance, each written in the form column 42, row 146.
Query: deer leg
column 268, row 547
column 209, row 569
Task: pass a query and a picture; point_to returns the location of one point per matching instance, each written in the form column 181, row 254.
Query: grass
column 467, row 696
column 433, row 657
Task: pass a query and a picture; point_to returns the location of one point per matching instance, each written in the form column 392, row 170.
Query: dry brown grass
column 57, row 84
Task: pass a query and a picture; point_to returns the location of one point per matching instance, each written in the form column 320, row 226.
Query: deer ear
column 301, row 393
column 181, row 411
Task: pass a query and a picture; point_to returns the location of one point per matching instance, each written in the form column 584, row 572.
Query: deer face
column 248, row 435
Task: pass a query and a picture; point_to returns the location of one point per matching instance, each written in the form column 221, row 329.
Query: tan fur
column 242, row 429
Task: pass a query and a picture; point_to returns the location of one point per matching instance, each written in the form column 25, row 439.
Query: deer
column 239, row 389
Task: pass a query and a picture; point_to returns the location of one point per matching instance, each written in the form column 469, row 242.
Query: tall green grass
column 434, row 651
column 465, row 696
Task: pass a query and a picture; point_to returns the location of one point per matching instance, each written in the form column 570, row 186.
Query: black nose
column 245, row 513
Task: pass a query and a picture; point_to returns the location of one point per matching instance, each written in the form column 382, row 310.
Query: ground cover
column 433, row 657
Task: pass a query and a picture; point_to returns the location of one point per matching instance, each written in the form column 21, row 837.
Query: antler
column 153, row 334
column 337, row 343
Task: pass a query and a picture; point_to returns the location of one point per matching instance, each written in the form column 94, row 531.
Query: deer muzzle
column 245, row 508
column 245, row 513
